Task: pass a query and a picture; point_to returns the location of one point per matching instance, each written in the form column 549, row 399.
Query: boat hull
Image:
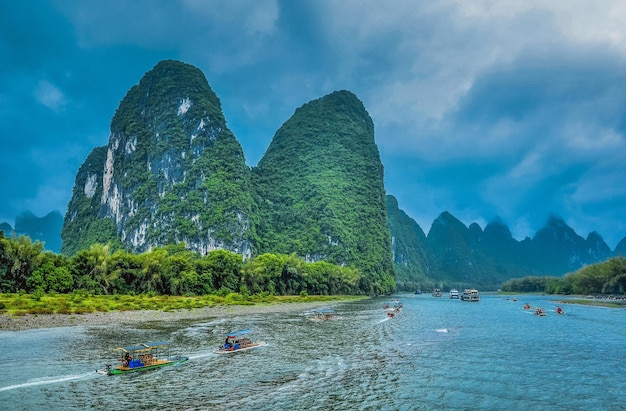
column 126, row 370
column 232, row 351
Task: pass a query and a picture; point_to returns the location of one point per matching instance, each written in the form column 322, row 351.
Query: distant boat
column 436, row 292
column 454, row 293
column 418, row 291
column 471, row 295
column 324, row 315
column 238, row 341
column 141, row 357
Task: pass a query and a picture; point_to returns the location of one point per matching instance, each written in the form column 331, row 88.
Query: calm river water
column 437, row 354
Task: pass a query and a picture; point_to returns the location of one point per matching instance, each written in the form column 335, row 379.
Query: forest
column 607, row 277
column 169, row 270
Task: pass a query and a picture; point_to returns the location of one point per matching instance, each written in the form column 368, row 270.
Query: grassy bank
column 600, row 303
column 82, row 303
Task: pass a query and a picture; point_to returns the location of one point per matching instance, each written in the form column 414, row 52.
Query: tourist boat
column 471, row 295
column 559, row 310
column 539, row 312
column 454, row 293
column 238, row 341
column 140, row 357
column 436, row 292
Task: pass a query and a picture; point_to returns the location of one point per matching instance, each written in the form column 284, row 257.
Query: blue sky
column 484, row 109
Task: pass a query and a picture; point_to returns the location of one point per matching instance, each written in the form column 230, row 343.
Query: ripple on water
column 436, row 354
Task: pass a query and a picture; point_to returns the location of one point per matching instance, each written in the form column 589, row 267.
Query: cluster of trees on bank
column 608, row 277
column 168, row 270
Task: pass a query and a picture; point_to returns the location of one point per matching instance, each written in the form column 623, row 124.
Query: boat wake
column 202, row 355
column 442, row 330
column 47, row 380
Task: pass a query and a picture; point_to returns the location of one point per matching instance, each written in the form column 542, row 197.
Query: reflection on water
column 435, row 354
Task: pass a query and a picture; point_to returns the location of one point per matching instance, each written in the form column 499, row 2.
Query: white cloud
column 49, row 95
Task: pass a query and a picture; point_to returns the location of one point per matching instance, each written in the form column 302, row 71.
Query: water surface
column 436, row 354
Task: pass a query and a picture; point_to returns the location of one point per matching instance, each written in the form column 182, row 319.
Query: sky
column 510, row 110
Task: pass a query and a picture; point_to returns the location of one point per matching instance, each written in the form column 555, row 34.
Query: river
column 436, row 354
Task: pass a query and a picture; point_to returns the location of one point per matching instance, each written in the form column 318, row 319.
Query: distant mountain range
column 172, row 172
column 454, row 255
column 46, row 229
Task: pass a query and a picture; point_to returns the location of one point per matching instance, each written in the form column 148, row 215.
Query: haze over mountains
column 173, row 172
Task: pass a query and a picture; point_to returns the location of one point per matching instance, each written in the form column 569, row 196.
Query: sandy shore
column 29, row 322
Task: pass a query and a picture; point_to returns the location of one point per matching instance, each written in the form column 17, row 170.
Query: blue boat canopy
column 238, row 333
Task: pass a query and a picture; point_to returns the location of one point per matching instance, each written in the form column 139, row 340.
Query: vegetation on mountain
column 464, row 257
column 320, row 191
column 172, row 172
column 411, row 256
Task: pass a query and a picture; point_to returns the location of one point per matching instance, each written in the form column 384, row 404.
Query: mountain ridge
column 172, row 172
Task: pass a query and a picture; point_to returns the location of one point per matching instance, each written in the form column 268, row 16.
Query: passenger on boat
column 559, row 310
column 127, row 359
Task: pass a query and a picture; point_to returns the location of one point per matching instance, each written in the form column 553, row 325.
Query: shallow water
column 436, row 354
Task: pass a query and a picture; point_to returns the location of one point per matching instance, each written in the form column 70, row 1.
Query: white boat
column 454, row 293
column 471, row 295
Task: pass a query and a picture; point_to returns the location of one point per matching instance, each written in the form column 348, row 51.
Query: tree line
column 608, row 277
column 168, row 270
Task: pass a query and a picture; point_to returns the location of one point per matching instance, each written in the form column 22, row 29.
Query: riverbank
column 36, row 321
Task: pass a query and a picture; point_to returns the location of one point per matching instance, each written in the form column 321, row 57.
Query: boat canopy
column 144, row 346
column 238, row 333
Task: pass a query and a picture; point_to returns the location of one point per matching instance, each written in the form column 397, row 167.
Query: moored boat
column 454, row 293
column 238, row 341
column 141, row 357
column 471, row 295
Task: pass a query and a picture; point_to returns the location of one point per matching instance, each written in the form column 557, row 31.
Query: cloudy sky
column 485, row 109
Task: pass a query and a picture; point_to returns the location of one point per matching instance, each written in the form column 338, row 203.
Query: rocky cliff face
column 171, row 172
column 411, row 255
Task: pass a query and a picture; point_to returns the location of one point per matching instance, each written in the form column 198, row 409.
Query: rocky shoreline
column 30, row 322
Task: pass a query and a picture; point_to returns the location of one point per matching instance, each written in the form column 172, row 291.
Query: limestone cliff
column 171, row 172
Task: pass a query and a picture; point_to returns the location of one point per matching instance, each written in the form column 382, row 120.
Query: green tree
column 20, row 258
